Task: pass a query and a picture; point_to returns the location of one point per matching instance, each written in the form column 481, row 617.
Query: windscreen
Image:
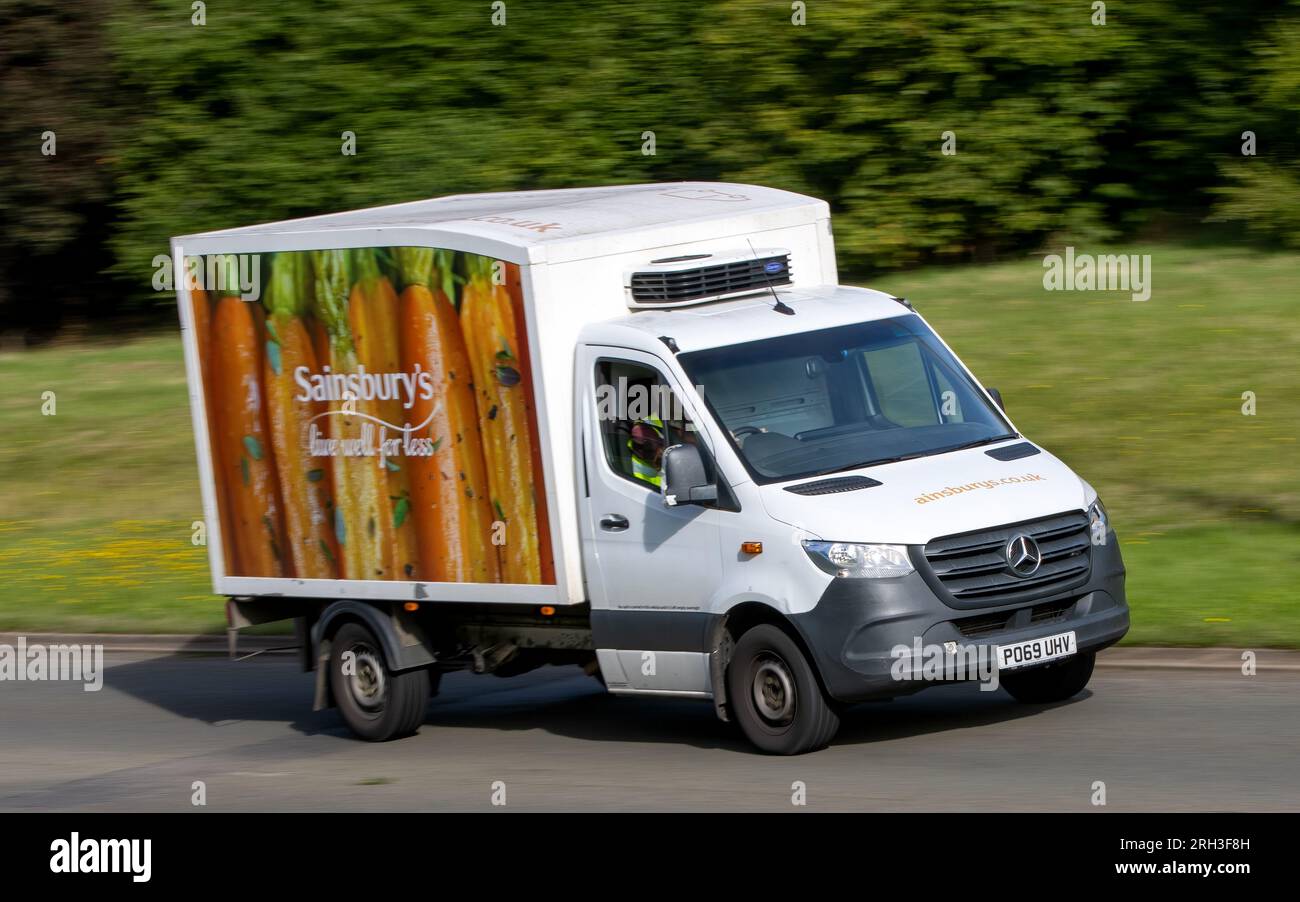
column 837, row 399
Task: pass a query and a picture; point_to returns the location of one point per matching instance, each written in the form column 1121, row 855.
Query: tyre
column 1051, row 682
column 376, row 703
column 774, row 694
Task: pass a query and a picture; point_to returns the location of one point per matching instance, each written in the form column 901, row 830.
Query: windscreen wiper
column 869, row 463
column 974, row 444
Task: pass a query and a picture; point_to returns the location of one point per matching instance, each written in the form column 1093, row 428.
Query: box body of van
column 641, row 429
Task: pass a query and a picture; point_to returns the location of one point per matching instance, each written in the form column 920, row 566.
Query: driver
column 647, row 444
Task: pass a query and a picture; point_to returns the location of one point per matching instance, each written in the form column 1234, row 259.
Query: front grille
column 1051, row 612
column 970, row 627
column 1019, row 618
column 972, row 567
column 708, row 281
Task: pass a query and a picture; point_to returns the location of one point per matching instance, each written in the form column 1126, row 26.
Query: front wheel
column 1051, row 682
column 376, row 703
column 775, row 696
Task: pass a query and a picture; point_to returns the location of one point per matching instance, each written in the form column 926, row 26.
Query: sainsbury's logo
column 331, row 386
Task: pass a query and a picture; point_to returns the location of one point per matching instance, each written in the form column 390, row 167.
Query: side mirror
column 684, row 480
column 997, row 396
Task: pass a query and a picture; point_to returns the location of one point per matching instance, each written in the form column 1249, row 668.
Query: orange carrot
column 372, row 315
column 449, row 487
column 304, row 489
column 359, row 487
column 201, row 308
column 320, row 337
column 247, row 467
column 488, row 324
column 514, row 285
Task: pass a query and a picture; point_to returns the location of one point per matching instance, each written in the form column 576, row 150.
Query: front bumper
column 857, row 623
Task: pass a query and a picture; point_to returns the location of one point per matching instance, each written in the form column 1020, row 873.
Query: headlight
column 860, row 561
column 1098, row 522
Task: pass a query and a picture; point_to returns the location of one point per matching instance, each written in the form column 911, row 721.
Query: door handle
column 613, row 522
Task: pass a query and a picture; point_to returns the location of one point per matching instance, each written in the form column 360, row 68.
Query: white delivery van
column 638, row 429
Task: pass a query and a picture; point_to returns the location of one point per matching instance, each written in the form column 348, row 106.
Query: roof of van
column 534, row 221
column 752, row 318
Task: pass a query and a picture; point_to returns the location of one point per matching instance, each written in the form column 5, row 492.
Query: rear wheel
column 376, row 703
column 775, row 696
column 1051, row 682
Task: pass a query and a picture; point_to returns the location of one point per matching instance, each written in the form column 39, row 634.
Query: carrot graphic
column 488, row 323
column 247, row 467
column 360, row 490
column 304, row 488
column 201, row 308
column 514, row 285
column 320, row 338
column 372, row 315
column 449, row 488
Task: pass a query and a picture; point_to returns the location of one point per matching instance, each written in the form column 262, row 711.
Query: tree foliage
column 1062, row 128
column 56, row 131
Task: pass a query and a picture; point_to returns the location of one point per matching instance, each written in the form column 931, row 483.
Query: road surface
column 1190, row 740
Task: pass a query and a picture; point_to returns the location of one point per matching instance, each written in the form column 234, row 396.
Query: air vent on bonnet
column 1012, row 452
column 694, row 278
column 833, row 486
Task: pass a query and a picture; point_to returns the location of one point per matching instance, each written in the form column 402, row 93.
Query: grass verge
column 1144, row 399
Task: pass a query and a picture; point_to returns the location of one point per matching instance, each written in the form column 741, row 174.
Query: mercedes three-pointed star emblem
column 1023, row 556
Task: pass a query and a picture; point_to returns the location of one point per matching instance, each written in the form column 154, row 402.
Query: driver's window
column 639, row 416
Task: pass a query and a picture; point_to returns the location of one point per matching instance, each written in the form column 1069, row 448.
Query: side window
column 638, row 416
column 898, row 374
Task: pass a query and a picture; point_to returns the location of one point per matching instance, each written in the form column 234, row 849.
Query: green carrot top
column 479, row 268
column 365, row 264
column 333, row 282
column 290, row 290
column 444, row 273
column 415, row 265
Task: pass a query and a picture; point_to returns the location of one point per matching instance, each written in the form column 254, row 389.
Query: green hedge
column 1066, row 131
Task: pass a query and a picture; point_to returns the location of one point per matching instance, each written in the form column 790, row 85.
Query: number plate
column 1036, row 651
